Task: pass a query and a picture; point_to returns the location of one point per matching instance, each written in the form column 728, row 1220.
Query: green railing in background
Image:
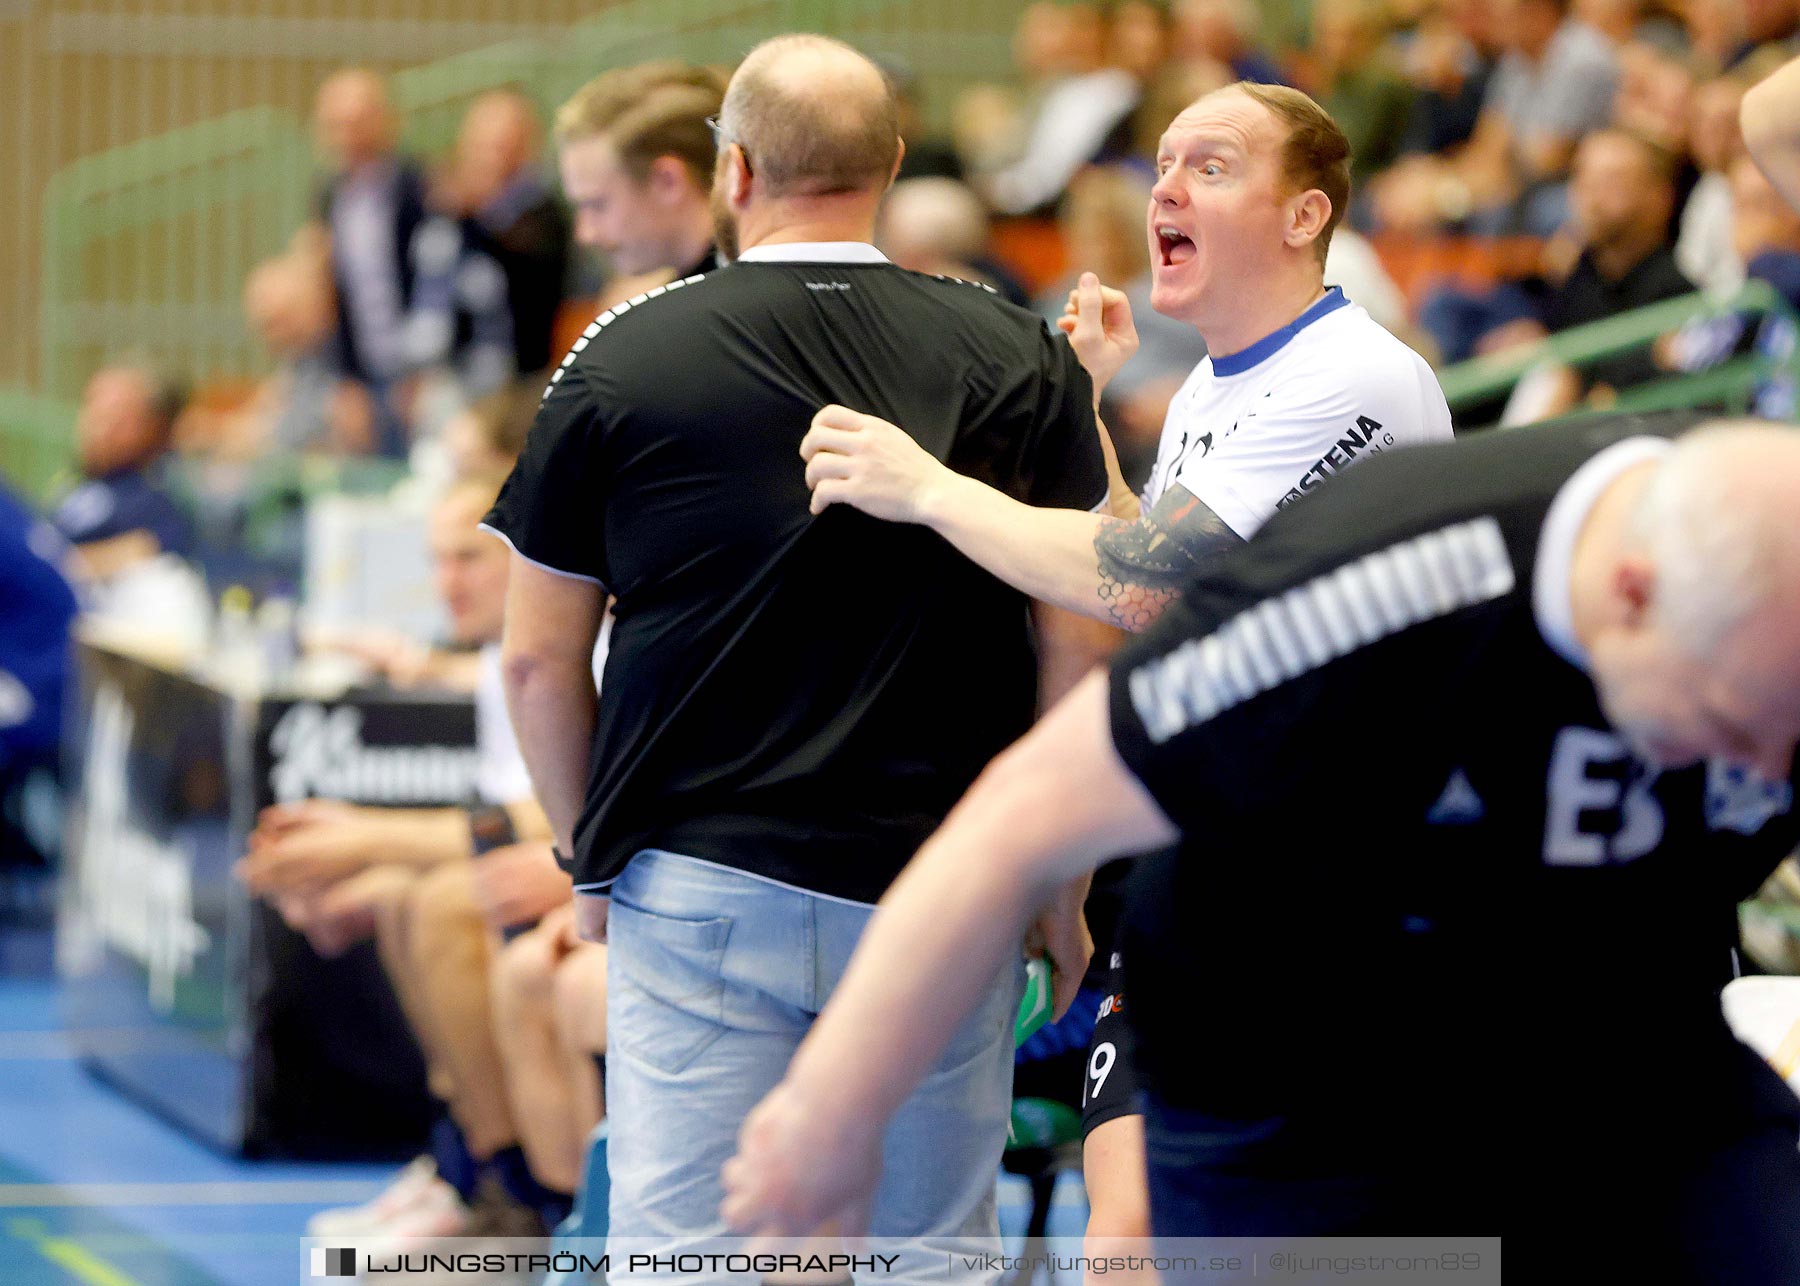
column 146, row 246
column 35, row 438
column 1729, row 385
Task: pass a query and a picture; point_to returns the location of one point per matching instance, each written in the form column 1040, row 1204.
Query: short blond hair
column 1315, row 153
column 648, row 111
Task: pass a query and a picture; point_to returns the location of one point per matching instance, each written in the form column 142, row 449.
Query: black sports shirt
column 799, row 697
column 1425, row 893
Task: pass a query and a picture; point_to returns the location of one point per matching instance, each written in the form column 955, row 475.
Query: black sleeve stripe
column 606, row 319
column 1350, row 607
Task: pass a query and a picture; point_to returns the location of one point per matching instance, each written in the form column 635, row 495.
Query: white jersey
column 500, row 773
column 1252, row 432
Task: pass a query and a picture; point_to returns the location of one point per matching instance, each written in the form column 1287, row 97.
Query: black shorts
column 1109, row 1088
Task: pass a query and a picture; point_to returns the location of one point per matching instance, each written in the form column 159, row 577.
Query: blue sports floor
column 95, row 1191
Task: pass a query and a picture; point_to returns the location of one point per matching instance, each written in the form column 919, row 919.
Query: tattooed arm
column 1143, row 564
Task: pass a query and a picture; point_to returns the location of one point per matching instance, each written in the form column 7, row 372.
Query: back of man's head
column 1716, row 520
column 648, row 111
column 930, row 223
column 814, row 118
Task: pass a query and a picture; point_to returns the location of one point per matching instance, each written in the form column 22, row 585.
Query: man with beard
column 793, row 701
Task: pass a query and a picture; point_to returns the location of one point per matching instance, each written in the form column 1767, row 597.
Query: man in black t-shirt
column 1474, row 718
column 793, row 702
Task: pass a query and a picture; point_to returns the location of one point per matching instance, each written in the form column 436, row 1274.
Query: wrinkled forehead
column 1226, row 115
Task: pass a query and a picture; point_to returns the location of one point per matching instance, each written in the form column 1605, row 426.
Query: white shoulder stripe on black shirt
column 606, row 319
column 1360, row 603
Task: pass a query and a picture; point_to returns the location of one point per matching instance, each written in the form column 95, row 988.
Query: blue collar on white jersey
column 1272, row 343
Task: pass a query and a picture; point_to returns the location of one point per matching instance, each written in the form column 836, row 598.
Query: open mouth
column 1176, row 247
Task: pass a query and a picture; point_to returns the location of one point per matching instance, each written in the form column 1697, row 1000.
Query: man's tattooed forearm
column 1144, row 564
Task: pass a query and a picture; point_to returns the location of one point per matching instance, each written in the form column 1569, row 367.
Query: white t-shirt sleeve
column 500, row 773
column 1318, row 419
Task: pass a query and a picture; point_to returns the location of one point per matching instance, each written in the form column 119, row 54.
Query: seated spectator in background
column 1621, row 198
column 1140, row 38
column 1554, row 85
column 34, row 669
column 1102, row 221
column 1448, row 61
column 1655, row 97
column 371, row 209
column 1225, row 31
column 121, row 515
column 1083, row 106
column 1771, row 28
column 436, row 888
column 928, row 155
column 486, row 439
column 490, row 264
column 637, row 158
column 1766, row 238
column 549, row 997
column 939, row 226
column 1705, row 246
column 305, row 404
column 1353, row 265
column 1361, row 83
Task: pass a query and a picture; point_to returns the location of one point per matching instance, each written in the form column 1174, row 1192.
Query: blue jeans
column 713, row 979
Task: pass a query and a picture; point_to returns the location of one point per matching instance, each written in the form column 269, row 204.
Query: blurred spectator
column 928, row 156
column 1448, row 61
column 1360, row 82
column 1352, row 265
column 1140, row 37
column 1656, row 94
column 1772, row 25
column 939, row 226
column 637, row 162
column 1554, row 85
column 372, row 208
column 490, row 265
column 305, row 404
column 436, row 887
column 1225, row 31
column 1766, row 237
column 549, row 990
column 1620, row 199
column 1704, row 248
column 1617, row 20
column 34, row 669
column 1083, row 108
column 121, row 514
column 486, row 438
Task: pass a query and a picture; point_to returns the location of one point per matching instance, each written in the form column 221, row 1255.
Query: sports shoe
column 411, row 1186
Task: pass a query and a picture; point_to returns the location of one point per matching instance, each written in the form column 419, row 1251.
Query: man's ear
column 668, row 176
column 739, row 178
column 1634, row 586
column 1308, row 214
column 899, row 157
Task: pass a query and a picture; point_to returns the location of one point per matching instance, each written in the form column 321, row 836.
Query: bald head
column 354, row 118
column 1718, row 520
column 814, row 118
